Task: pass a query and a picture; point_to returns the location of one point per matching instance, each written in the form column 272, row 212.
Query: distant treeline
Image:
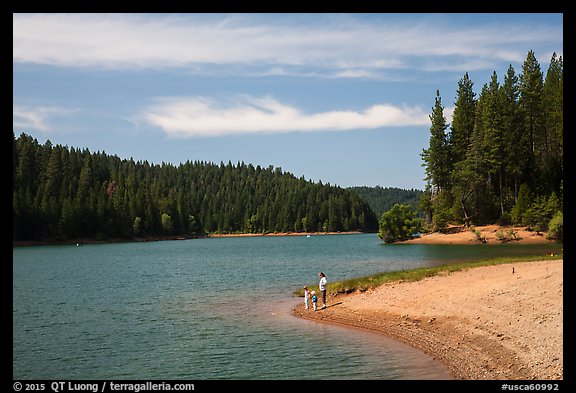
column 66, row 193
column 381, row 199
column 501, row 158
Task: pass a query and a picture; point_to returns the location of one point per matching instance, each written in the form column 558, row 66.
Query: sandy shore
column 463, row 235
column 272, row 234
column 489, row 322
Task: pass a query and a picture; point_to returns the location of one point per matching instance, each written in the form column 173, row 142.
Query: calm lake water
column 209, row 309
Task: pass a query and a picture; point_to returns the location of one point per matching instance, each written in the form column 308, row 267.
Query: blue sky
column 341, row 98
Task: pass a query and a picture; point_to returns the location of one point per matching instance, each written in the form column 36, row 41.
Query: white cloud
column 28, row 117
column 354, row 73
column 351, row 47
column 198, row 116
column 448, row 112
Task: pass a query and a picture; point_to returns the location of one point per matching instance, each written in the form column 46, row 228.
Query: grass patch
column 367, row 282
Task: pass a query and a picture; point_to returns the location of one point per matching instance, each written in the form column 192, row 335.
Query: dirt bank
column 492, row 322
column 490, row 233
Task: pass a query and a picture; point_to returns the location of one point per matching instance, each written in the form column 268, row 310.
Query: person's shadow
column 332, row 305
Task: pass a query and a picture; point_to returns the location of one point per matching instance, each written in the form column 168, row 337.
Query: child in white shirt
column 306, row 296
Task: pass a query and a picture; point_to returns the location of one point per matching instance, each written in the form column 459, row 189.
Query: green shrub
column 399, row 223
column 478, row 235
column 556, row 227
column 507, row 235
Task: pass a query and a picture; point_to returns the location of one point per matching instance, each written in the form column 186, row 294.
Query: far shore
column 454, row 235
column 81, row 241
column 285, row 234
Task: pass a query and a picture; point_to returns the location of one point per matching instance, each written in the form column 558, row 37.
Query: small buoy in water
column 307, row 235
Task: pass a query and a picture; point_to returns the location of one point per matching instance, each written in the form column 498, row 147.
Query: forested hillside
column 382, row 199
column 501, row 158
column 67, row 193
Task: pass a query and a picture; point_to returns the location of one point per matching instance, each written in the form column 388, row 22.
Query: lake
column 213, row 308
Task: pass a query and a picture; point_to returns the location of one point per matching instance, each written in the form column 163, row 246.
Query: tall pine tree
column 462, row 119
column 437, row 156
column 532, row 110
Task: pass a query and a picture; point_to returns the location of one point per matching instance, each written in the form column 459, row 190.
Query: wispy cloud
column 37, row 117
column 353, row 48
column 200, row 117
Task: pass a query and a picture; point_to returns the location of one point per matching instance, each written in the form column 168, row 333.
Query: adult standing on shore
column 322, row 286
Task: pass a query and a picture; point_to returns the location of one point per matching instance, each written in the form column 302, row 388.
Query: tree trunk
column 466, row 218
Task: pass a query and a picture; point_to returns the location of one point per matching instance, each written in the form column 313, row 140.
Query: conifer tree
column 463, row 118
column 532, row 110
column 437, row 156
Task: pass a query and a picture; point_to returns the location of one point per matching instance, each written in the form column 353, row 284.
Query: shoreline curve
column 501, row 322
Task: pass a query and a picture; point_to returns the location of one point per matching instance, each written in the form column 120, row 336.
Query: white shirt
column 323, row 283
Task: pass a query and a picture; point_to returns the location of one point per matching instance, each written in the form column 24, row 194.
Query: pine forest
column 64, row 193
column 501, row 158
